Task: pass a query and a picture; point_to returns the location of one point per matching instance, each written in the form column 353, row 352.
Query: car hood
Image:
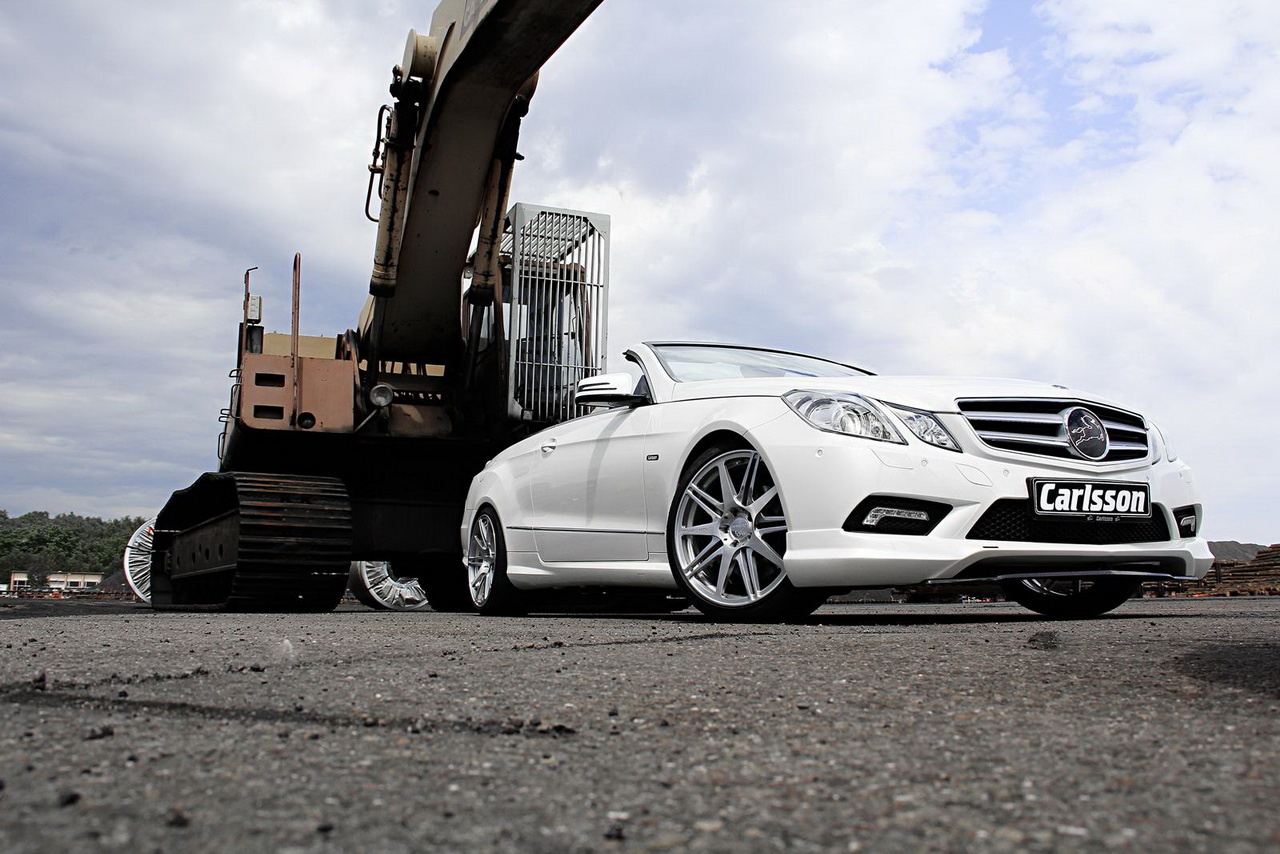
column 934, row 394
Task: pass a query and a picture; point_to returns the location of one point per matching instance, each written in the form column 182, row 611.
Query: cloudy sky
column 1077, row 191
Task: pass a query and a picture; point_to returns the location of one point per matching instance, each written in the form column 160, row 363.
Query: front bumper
column 823, row 476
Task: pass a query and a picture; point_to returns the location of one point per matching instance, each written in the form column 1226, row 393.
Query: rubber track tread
column 292, row 549
column 295, row 542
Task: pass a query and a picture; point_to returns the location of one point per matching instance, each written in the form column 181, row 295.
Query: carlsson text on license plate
column 1096, row 498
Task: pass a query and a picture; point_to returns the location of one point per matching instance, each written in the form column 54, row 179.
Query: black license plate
column 1099, row 500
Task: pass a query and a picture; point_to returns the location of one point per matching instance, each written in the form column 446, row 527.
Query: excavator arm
column 460, row 94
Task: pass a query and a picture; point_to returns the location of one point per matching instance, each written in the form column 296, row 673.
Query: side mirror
column 608, row 390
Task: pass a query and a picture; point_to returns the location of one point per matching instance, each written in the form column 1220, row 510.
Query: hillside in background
column 1231, row 550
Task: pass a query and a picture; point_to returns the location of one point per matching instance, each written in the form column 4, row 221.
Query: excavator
column 346, row 459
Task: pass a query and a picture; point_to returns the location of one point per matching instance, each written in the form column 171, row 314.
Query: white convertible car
column 757, row 483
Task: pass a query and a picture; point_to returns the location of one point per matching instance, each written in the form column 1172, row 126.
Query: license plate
column 1099, row 500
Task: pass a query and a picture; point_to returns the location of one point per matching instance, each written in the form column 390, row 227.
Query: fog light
column 381, row 394
column 878, row 513
column 1188, row 520
column 896, row 514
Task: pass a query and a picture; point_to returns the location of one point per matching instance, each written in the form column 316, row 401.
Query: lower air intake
column 1010, row 520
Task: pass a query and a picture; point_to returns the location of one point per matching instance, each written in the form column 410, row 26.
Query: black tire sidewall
column 1105, row 595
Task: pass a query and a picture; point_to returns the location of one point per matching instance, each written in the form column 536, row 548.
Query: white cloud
column 1088, row 198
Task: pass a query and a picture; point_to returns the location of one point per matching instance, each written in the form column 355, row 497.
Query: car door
column 587, row 488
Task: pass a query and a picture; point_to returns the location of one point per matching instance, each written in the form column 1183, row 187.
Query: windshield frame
column 784, row 363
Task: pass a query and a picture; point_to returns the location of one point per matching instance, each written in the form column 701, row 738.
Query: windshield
column 694, row 362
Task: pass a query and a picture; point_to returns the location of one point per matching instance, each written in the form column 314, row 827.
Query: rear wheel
column 137, row 560
column 488, row 587
column 1071, row 598
column 726, row 537
column 377, row 584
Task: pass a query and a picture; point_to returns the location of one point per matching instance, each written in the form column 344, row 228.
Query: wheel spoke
column 702, row 561
column 727, row 561
column 704, row 500
column 749, row 480
column 727, row 491
column 766, row 551
column 750, row 578
column 763, row 501
column 708, row 529
column 766, row 525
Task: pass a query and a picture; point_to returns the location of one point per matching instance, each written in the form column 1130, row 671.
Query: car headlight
column 841, row 412
column 926, row 427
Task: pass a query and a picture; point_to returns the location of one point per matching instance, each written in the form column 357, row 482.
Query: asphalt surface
column 974, row 727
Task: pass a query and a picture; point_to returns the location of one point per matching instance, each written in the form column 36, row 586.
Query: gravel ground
column 972, row 727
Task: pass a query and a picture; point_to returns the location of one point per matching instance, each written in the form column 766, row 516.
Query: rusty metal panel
column 326, row 390
column 266, row 392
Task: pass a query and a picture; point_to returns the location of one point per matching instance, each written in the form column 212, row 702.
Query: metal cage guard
column 556, row 308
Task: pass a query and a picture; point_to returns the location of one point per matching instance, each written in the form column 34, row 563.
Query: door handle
column 548, row 446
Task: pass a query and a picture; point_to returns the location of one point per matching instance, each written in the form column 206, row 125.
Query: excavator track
column 240, row 541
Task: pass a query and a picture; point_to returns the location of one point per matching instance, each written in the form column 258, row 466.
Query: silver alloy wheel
column 730, row 531
column 482, row 559
column 375, row 584
column 137, row 560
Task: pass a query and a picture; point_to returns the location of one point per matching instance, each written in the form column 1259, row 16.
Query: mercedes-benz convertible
column 758, row 483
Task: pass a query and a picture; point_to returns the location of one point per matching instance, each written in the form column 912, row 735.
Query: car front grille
column 1010, row 520
column 1038, row 426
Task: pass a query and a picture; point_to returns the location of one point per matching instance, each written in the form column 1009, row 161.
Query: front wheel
column 1071, row 598
column 726, row 537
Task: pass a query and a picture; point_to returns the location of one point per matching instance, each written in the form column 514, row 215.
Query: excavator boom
column 488, row 52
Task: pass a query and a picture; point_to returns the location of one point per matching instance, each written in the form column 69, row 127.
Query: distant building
column 68, row 581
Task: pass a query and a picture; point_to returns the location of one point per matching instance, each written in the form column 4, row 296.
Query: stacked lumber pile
column 1258, row 577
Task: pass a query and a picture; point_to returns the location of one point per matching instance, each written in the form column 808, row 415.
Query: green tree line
column 38, row 544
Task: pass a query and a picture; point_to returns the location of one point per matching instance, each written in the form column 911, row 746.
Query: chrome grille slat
column 1037, row 426
column 992, row 436
column 1026, row 418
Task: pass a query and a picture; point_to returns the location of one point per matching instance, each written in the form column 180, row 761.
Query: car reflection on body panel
column 757, row 483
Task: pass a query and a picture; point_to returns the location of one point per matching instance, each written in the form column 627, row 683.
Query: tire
column 726, row 538
column 445, row 581
column 1071, row 598
column 489, row 590
column 377, row 584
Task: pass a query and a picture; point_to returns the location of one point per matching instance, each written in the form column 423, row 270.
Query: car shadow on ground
column 1249, row 667
column 954, row 616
